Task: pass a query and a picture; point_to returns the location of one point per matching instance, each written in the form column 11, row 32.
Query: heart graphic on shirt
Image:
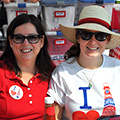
column 90, row 115
column 13, row 92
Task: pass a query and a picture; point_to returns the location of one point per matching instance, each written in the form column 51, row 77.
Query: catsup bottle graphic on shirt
column 109, row 105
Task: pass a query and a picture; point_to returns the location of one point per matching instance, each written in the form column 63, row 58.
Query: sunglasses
column 32, row 39
column 87, row 35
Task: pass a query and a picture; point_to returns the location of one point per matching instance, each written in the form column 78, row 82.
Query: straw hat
column 93, row 18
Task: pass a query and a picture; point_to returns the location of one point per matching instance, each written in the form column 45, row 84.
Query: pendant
column 90, row 85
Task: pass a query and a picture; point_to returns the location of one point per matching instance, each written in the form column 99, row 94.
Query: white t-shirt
column 69, row 88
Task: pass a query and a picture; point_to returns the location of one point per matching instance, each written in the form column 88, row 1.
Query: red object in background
column 115, row 24
column 115, row 52
column 115, row 19
column 58, row 45
column 60, row 14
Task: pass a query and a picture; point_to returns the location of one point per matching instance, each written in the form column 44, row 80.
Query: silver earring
column 11, row 46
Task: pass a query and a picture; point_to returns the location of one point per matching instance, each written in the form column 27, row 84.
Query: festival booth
column 55, row 12
column 14, row 9
column 116, row 28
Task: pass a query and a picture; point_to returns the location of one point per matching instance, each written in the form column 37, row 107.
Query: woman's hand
column 58, row 111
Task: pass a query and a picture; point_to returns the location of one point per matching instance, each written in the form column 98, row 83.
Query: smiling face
column 92, row 47
column 25, row 51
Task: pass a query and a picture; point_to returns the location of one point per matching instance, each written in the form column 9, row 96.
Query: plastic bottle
column 49, row 109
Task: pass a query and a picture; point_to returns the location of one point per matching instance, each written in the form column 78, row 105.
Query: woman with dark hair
column 25, row 68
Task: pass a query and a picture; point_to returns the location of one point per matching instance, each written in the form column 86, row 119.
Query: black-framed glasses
column 87, row 35
column 32, row 39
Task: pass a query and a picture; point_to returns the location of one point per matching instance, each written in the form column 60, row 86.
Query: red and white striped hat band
column 93, row 17
column 94, row 20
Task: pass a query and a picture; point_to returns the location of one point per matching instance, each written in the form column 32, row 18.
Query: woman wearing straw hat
column 86, row 85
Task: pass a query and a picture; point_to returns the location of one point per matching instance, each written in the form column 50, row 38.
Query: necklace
column 90, row 84
column 90, row 80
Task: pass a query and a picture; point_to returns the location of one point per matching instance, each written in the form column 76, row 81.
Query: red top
column 19, row 101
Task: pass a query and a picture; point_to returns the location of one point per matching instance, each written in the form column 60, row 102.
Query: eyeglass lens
column 87, row 35
column 31, row 38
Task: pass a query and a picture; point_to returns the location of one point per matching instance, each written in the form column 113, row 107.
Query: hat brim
column 70, row 33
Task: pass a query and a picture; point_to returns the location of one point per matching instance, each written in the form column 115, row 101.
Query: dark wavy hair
column 74, row 50
column 43, row 60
